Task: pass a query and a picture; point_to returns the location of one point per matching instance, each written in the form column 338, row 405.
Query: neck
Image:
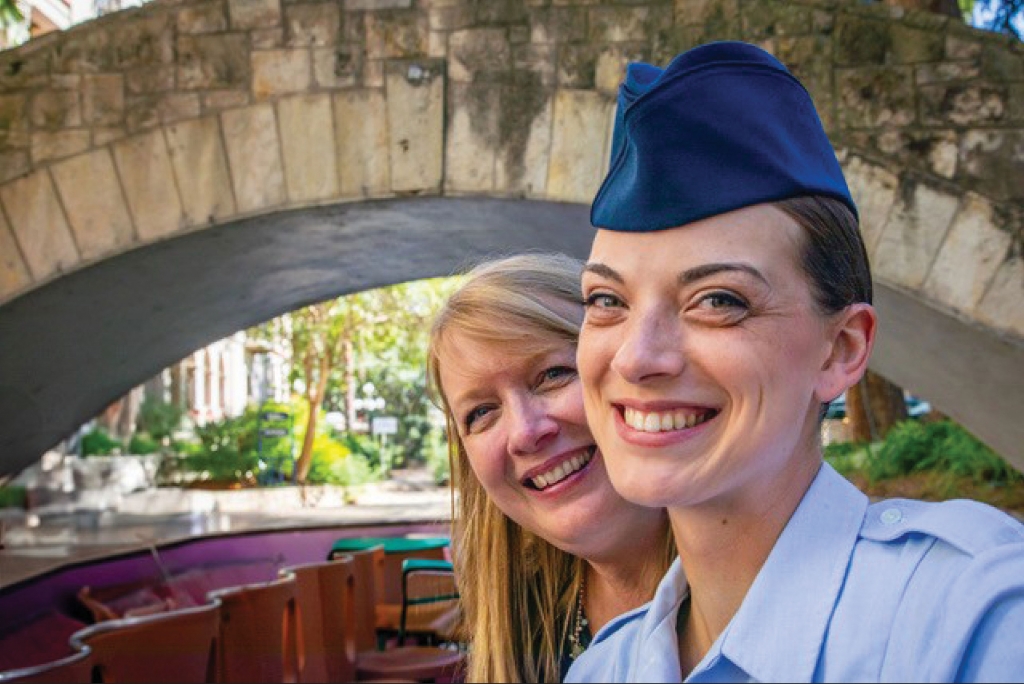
column 722, row 546
column 621, row 581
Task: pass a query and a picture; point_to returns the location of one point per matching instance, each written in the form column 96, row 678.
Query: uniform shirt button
column 891, row 516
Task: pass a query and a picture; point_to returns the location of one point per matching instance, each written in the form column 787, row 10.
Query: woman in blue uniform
column 728, row 299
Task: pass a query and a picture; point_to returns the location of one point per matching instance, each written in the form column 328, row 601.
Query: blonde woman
column 546, row 552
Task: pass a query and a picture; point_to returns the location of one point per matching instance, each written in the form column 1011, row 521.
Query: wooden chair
column 172, row 646
column 72, row 669
column 417, row 663
column 325, row 596
column 260, row 637
column 430, row 603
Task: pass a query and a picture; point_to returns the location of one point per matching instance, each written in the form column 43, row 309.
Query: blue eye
column 602, row 300
column 722, row 300
column 559, row 373
column 474, row 415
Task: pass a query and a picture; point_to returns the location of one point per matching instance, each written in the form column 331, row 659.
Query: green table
column 392, row 545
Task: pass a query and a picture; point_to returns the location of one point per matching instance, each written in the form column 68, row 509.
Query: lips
column 553, row 474
column 665, row 421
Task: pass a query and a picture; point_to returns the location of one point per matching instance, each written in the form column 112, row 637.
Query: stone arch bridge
column 176, row 172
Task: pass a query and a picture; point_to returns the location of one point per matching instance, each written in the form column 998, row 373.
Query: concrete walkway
column 37, row 541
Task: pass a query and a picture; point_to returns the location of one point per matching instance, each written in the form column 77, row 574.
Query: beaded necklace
column 577, row 647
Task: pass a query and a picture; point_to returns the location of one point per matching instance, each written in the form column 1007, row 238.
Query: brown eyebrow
column 696, row 273
column 687, row 277
column 603, row 271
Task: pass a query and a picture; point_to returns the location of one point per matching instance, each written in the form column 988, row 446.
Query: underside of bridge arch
column 77, row 344
column 72, row 347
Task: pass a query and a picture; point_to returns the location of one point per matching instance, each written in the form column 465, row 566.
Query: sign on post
column 384, row 425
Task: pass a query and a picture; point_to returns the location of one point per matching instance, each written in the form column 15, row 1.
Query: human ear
column 852, row 338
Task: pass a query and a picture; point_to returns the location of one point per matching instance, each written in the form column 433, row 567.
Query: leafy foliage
column 159, row 419
column 98, row 442
column 13, row 496
column 914, row 447
column 143, row 443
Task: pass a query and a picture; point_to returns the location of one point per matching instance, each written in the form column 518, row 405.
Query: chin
column 640, row 487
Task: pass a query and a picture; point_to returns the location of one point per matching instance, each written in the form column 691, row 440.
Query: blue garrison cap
column 725, row 126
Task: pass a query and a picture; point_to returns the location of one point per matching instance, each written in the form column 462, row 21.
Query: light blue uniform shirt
column 900, row 590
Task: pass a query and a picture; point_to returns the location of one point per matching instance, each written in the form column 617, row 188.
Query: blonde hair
column 517, row 589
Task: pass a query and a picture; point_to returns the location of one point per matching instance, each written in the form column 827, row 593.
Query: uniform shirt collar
column 777, row 634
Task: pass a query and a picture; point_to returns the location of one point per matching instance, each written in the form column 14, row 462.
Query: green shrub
column 13, row 496
column 142, row 443
column 943, row 446
column 98, row 442
column 229, row 450
column 435, row 452
column 847, row 457
column 159, row 419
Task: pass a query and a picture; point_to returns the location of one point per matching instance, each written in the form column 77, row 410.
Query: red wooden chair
column 417, row 663
column 71, row 669
column 172, row 646
column 260, row 637
column 325, row 611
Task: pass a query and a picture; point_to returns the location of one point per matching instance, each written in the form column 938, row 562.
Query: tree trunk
column 348, row 358
column 873, row 406
column 315, row 396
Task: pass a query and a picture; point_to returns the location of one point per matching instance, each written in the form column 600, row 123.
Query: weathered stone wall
column 180, row 115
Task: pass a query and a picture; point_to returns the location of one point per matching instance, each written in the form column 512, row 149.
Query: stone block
column 396, row 35
column 944, row 72
column 144, row 165
column 450, row 19
column 38, row 224
column 872, row 97
column 92, row 197
column 280, row 72
column 962, row 104
column 59, row 144
column 215, row 62
column 874, row 190
column 357, row 5
column 254, row 157
column 250, row 14
column 999, row 64
column 267, row 39
column 525, row 140
column 578, row 139
column 472, row 133
column 218, row 100
column 14, row 276
column 912, row 236
column 361, row 125
column 558, row 25
column 992, row 161
column 143, row 41
column 973, row 250
column 202, row 18
column 107, row 134
column 437, row 44
column 13, row 121
column 577, row 66
column 618, row 24
column 765, row 19
column 336, row 67
column 478, row 53
column 201, row 169
column 56, row 109
column 861, row 41
column 159, row 79
column 535, row 63
column 610, row 69
column 312, row 24
column 1002, row 306
column 415, row 114
column 103, row 99
column 915, row 46
column 13, row 164
column 962, row 47
column 308, row 148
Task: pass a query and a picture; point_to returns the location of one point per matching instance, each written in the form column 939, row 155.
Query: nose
column 532, row 425
column 651, row 348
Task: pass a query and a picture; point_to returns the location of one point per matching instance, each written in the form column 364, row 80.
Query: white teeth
column 561, row 471
column 662, row 422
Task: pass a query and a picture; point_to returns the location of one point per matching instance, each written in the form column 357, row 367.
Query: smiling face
column 522, row 424
column 705, row 359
